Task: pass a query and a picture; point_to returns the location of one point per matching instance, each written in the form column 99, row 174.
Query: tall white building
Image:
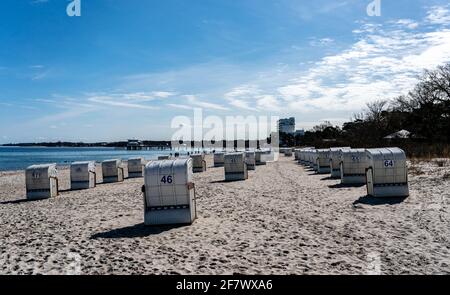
column 286, row 125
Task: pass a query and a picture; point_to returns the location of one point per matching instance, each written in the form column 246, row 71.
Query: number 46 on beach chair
column 169, row 193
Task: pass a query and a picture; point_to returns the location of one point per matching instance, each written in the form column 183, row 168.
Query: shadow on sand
column 135, row 231
column 329, row 178
column 369, row 200
column 343, row 185
column 17, row 201
column 225, row 181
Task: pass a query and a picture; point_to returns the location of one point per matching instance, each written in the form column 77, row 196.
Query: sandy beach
column 283, row 220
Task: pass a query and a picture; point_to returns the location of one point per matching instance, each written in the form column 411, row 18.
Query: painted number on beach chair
column 166, row 179
column 356, row 159
column 388, row 163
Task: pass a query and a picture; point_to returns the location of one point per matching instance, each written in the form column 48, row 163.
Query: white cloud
column 321, row 42
column 439, row 15
column 408, row 23
column 74, row 107
column 71, row 113
column 39, row 1
column 180, row 106
column 252, row 98
column 143, row 96
column 163, row 94
column 40, row 76
column 113, row 101
column 17, row 105
column 243, row 97
column 383, row 63
column 332, row 6
column 44, row 100
column 139, row 96
column 94, row 102
column 203, row 104
column 268, row 102
column 133, row 100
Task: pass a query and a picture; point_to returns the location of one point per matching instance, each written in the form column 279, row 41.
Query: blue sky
column 124, row 69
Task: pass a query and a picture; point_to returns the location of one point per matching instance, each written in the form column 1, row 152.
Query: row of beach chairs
column 42, row 180
column 383, row 170
column 169, row 191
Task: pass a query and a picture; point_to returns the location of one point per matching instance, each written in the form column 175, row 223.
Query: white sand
column 282, row 220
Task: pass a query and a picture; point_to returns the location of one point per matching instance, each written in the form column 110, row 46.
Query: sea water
column 18, row 158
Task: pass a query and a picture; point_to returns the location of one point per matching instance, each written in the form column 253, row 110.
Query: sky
column 126, row 69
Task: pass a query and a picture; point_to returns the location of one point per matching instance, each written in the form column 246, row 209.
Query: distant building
column 286, row 126
column 300, row 132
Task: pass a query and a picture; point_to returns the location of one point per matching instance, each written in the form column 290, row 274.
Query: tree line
column 424, row 112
